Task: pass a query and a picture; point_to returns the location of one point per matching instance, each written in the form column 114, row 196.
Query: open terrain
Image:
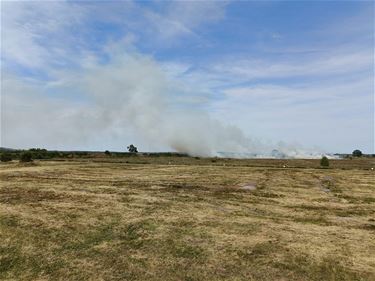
column 182, row 218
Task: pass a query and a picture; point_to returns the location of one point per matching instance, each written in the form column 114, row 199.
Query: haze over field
column 195, row 77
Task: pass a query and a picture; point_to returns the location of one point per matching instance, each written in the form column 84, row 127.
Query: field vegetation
column 169, row 217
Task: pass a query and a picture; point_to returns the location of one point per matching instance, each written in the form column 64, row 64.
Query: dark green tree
column 132, row 149
column 324, row 162
column 357, row 153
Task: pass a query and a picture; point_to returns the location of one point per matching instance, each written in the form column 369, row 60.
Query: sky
column 243, row 76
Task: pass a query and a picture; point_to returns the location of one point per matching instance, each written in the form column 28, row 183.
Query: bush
column 324, row 162
column 5, row 157
column 357, row 153
column 38, row 156
column 38, row 153
column 107, row 152
column 26, row 157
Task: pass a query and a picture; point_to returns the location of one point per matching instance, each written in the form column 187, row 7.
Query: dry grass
column 187, row 219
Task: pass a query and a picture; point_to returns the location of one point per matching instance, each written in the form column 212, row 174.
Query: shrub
column 107, row 152
column 79, row 153
column 26, row 157
column 38, row 156
column 357, row 153
column 324, row 162
column 5, row 157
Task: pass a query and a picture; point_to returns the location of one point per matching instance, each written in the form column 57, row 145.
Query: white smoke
column 132, row 93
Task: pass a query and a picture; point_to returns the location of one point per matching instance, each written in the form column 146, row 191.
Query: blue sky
column 298, row 72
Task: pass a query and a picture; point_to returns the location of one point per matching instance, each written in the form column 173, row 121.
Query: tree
column 132, row 149
column 5, row 157
column 26, row 157
column 324, row 162
column 107, row 152
column 357, row 153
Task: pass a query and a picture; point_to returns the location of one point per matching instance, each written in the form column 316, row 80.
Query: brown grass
column 105, row 219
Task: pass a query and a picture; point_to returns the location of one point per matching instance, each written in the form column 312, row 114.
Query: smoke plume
column 129, row 94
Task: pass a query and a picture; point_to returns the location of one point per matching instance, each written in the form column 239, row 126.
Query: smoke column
column 132, row 90
column 128, row 95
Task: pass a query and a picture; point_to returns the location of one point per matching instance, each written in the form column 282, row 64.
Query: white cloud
column 167, row 28
column 195, row 13
column 338, row 115
column 328, row 64
column 39, row 35
column 178, row 19
column 29, row 32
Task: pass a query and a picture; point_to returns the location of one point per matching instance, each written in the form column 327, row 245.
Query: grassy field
column 180, row 218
